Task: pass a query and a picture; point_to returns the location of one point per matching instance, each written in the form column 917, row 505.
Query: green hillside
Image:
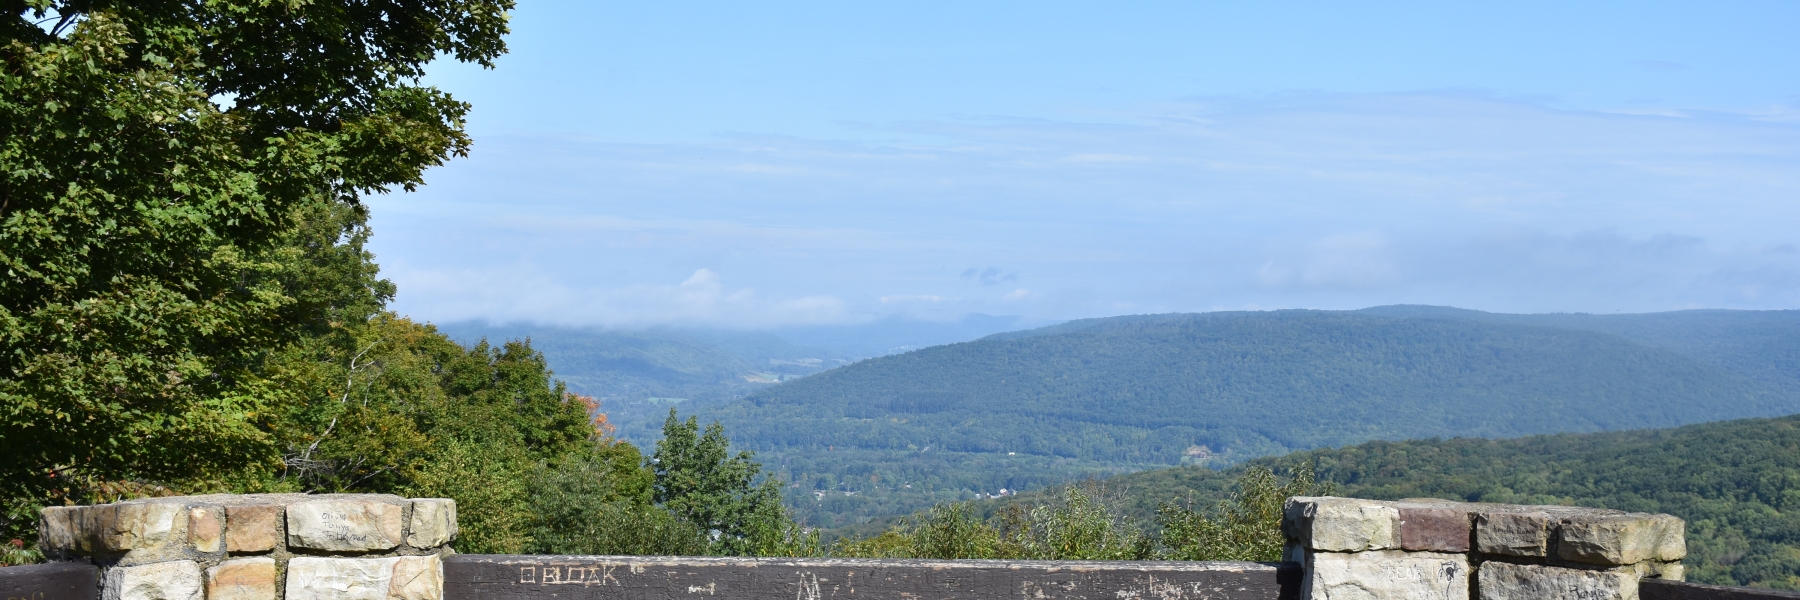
column 1022, row 409
column 1737, row 483
column 1764, row 344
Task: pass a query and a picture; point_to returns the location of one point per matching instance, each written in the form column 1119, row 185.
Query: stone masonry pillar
column 259, row 546
column 1441, row 550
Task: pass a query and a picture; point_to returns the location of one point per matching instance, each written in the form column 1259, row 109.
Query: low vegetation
column 1087, row 522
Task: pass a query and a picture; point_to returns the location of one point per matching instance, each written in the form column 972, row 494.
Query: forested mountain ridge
column 1128, row 393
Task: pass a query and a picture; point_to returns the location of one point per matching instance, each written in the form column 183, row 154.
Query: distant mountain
column 1764, row 345
column 894, row 335
column 1737, row 484
column 639, row 374
column 1021, row 409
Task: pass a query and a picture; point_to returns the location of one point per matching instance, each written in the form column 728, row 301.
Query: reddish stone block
column 1434, row 529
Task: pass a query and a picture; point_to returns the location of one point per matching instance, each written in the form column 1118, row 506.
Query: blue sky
column 730, row 164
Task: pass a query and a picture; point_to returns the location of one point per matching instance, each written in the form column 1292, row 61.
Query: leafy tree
column 699, row 480
column 601, row 503
column 1245, row 526
column 157, row 159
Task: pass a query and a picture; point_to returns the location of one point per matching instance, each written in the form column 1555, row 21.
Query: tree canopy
column 181, row 187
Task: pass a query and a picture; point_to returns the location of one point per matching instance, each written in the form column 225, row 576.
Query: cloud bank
column 1294, row 200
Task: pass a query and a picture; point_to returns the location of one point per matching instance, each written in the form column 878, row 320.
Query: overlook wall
column 380, row 547
column 258, row 547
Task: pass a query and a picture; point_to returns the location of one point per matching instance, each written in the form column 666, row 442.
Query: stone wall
column 259, row 546
column 380, row 547
column 1441, row 550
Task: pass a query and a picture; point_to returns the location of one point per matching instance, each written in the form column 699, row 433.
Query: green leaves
column 1245, row 526
column 699, row 481
column 159, row 248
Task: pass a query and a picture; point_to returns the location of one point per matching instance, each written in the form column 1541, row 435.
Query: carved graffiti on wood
column 492, row 577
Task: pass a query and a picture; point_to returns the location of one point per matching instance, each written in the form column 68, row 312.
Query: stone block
column 59, row 529
column 344, row 525
column 1622, row 539
column 138, row 532
column 136, row 525
column 252, row 528
column 417, row 578
column 1434, row 529
column 1505, row 581
column 1342, row 524
column 315, row 578
column 433, row 523
column 242, row 579
column 1651, row 569
column 174, row 580
column 1513, row 533
column 205, row 528
column 1387, row 575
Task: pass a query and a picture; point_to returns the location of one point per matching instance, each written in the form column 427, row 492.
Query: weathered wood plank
column 52, row 581
column 1658, row 589
column 513, row 577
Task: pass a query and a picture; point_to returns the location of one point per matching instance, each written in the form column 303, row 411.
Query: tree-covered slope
column 1762, row 344
column 1135, row 392
column 1737, row 483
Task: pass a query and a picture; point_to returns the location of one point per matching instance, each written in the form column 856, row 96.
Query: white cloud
column 528, row 294
column 922, row 298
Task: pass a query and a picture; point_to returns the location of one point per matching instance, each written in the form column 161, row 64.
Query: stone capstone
column 1513, row 534
column 59, row 529
column 393, row 578
column 173, row 580
column 1622, row 539
column 242, row 579
column 252, row 528
column 144, row 531
column 344, row 525
column 433, row 523
column 1505, row 581
column 1341, row 524
column 1434, row 529
column 1387, row 575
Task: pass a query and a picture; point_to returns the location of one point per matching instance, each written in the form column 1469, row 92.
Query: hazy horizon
column 810, row 164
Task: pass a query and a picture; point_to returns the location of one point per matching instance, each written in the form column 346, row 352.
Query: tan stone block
column 1622, row 539
column 59, row 529
column 1505, row 581
column 1388, row 575
column 252, row 528
column 242, row 579
column 1513, row 533
column 433, row 523
column 174, row 580
column 144, row 532
column 344, row 525
column 417, row 578
column 315, row 578
column 1342, row 524
column 205, row 528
